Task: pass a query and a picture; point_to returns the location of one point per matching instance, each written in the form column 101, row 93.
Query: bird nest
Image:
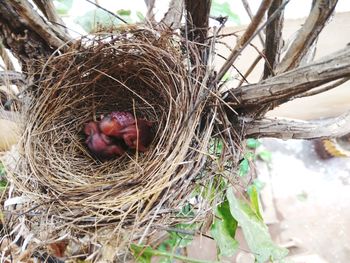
column 63, row 192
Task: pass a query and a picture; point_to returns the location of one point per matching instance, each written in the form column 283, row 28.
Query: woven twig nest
column 65, row 191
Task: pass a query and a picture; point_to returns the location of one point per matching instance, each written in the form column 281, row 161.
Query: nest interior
column 139, row 70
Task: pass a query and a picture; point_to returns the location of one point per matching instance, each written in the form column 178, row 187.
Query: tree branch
column 38, row 24
column 48, row 9
column 296, row 129
column 273, row 39
column 197, row 19
column 322, row 89
column 172, row 17
column 280, row 88
column 312, row 27
column 18, row 36
column 248, row 35
column 150, row 7
column 250, row 14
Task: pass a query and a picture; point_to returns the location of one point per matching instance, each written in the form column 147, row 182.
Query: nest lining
column 141, row 71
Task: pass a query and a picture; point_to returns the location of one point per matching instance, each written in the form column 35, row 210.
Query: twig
column 197, row 18
column 321, row 90
column 295, row 129
column 313, row 25
column 249, row 35
column 250, row 14
column 106, row 10
column 250, row 69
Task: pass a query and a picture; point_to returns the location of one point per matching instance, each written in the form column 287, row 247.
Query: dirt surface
column 312, row 197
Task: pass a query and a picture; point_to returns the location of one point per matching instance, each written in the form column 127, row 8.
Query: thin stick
column 245, row 39
column 248, row 36
column 106, row 10
column 250, row 14
column 321, row 90
column 250, row 69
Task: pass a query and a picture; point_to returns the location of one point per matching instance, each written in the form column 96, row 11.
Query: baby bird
column 114, row 123
column 99, row 144
column 136, row 134
column 139, row 135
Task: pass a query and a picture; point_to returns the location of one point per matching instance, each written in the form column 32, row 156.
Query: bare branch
column 18, row 36
column 313, row 25
column 150, row 7
column 322, row 89
column 172, row 18
column 273, row 40
column 250, row 14
column 197, row 19
column 250, row 69
column 245, row 39
column 284, row 86
column 33, row 20
column 48, row 9
column 296, row 129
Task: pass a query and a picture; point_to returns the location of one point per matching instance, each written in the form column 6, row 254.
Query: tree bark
column 197, row 19
column 296, row 129
column 20, row 37
column 273, row 41
column 284, row 86
column 312, row 27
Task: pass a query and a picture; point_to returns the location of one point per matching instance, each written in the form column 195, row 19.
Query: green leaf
column 265, row 156
column 2, row 170
column 223, row 230
column 123, row 12
column 3, row 184
column 243, row 167
column 226, row 77
column 179, row 239
column 142, row 254
column 224, row 9
column 252, row 143
column 216, row 146
column 254, row 201
column 97, row 18
column 257, row 184
column 140, row 16
column 249, row 156
column 63, row 6
column 255, row 231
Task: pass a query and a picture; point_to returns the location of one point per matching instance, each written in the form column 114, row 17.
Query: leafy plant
column 255, row 231
column 144, row 254
column 223, row 230
column 3, row 181
column 3, row 184
column 252, row 143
